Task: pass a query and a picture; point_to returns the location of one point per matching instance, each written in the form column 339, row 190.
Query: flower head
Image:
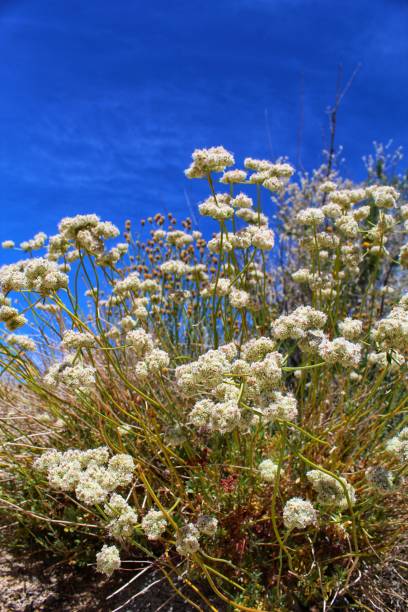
column 205, row 161
column 108, row 560
column 298, row 513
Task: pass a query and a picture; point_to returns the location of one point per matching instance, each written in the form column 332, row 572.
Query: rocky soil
column 31, row 583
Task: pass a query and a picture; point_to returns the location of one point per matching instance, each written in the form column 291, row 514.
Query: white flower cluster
column 257, row 348
column 321, row 282
column 340, row 351
column 72, row 373
column 179, row 239
column 149, row 285
column 384, row 196
column 131, row 283
column 348, row 226
column 351, row 329
column 404, row 212
column 175, row 267
column 35, row 243
column 266, row 375
column 154, row 524
column 383, row 359
column 262, row 238
column 345, row 198
column 239, row 298
column 310, row 216
column 86, row 232
column 10, row 315
column 327, row 186
column 351, row 257
column 233, row 176
column 205, row 373
column 392, row 331
column 296, row 325
column 111, row 257
column 324, row 240
column 91, row 473
column 140, row 341
column 221, row 416
column 8, row 244
column 77, row 340
column 299, row 513
column 269, row 175
column 221, row 288
column 219, row 374
column 140, row 308
column 241, row 200
column 187, row 540
column 332, row 210
column 123, row 518
column 399, row 445
column 158, row 234
column 151, row 360
column 303, row 275
column 267, row 470
column 361, row 213
column 24, row 343
column 108, row 560
column 252, row 217
column 330, row 491
column 283, row 407
column 205, row 161
column 238, row 240
column 36, row 274
column 127, row 323
column 220, row 243
column 218, row 207
column 403, row 257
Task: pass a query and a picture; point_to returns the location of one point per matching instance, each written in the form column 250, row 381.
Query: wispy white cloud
column 103, row 104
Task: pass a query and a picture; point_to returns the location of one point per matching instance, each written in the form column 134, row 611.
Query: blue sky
column 102, row 102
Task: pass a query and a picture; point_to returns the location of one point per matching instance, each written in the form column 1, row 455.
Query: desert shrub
column 231, row 411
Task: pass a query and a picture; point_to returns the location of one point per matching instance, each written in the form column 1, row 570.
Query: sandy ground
column 29, row 583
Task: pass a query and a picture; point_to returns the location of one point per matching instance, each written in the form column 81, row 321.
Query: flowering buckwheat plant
column 231, row 409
